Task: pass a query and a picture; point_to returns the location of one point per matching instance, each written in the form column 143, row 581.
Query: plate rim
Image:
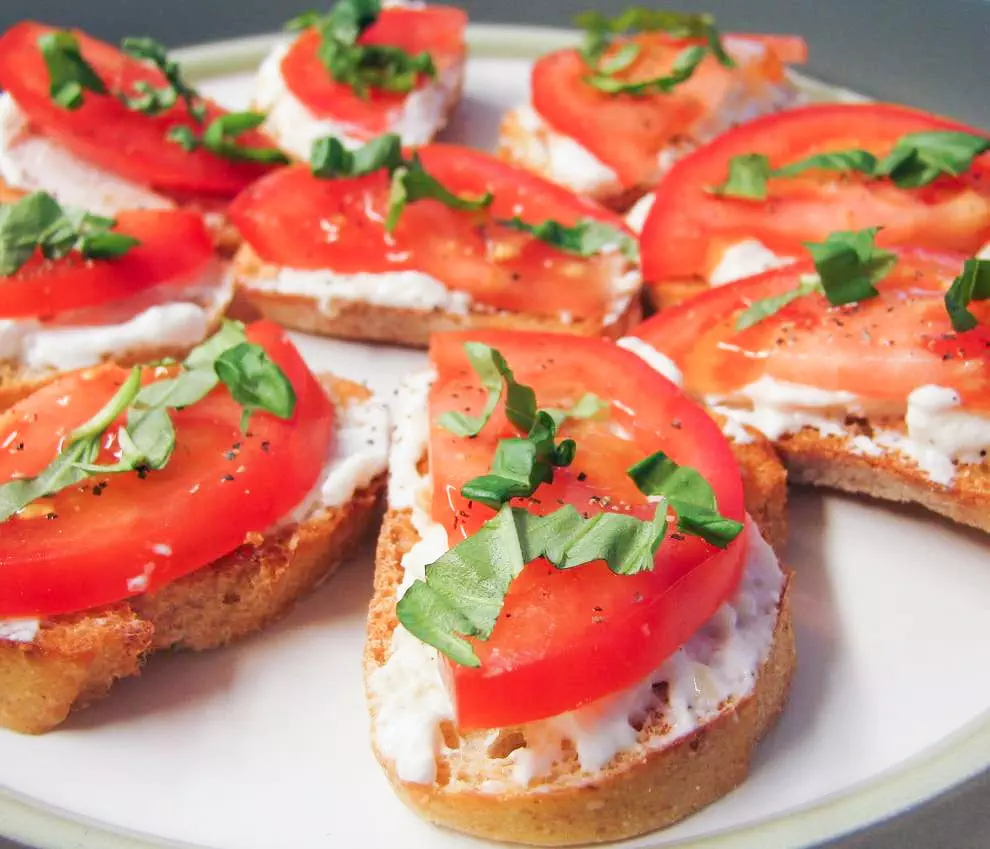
column 939, row 768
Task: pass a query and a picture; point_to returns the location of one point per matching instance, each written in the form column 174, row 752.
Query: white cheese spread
column 19, row 630
column 358, row 454
column 636, row 217
column 744, row 259
column 32, row 162
column 938, row 435
column 421, row 116
column 656, row 360
column 410, row 703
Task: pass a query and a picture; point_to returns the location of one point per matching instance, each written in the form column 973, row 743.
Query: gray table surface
column 925, row 53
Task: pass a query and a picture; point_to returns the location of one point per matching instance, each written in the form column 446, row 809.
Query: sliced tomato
column 175, row 247
column 293, row 219
column 108, row 134
column 688, row 228
column 437, row 30
column 566, row 638
column 880, row 349
column 628, row 132
column 114, row 536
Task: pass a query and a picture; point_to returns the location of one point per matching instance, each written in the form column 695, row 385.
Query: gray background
column 930, row 54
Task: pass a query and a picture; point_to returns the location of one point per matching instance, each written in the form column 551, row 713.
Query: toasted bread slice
column 834, row 461
column 670, row 293
column 18, row 381
column 659, row 780
column 75, row 659
column 527, row 146
column 649, row 786
column 360, row 320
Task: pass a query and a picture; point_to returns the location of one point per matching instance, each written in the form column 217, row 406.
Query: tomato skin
column 880, row 349
column 438, row 30
column 628, row 132
column 108, row 134
column 295, row 220
column 688, row 226
column 567, row 638
column 175, row 246
column 220, row 485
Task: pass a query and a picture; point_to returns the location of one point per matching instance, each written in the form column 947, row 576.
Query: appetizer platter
column 500, row 436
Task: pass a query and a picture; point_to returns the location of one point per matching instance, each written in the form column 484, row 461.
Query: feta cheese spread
column 19, row 630
column 31, row 162
column 744, row 259
column 656, row 360
column 421, row 116
column 717, row 666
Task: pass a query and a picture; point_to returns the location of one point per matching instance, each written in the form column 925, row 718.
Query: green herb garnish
column 220, row 138
column 601, row 32
column 917, row 160
column 362, row 66
column 849, row 264
column 147, row 440
column 69, row 74
column 972, row 285
column 38, row 222
column 586, row 238
column 154, row 101
column 690, row 496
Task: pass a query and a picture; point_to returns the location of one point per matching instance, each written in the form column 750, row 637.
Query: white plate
column 265, row 744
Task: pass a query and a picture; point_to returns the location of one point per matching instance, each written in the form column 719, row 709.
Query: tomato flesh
column 175, row 247
column 438, row 30
column 75, row 551
column 627, row 132
column 688, row 227
column 106, row 133
column 881, row 349
column 293, row 219
column 567, row 638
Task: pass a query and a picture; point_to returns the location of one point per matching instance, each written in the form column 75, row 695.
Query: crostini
column 77, row 289
column 868, row 368
column 106, row 129
column 576, row 635
column 363, row 69
column 747, row 201
column 228, row 486
column 386, row 245
column 648, row 86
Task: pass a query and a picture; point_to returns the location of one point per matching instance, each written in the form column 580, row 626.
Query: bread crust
column 831, row 462
column 764, row 480
column 636, row 793
column 358, row 320
column 670, row 293
column 75, row 659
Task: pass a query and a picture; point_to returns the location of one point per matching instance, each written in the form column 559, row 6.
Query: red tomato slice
column 293, row 219
column 880, row 349
column 628, row 132
column 73, row 551
column 175, row 247
column 566, row 638
column 438, row 30
column 689, row 227
column 108, row 134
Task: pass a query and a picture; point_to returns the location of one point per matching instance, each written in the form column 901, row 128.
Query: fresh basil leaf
column 766, row 307
column 921, row 158
column 861, row 161
column 69, row 74
column 849, row 263
column 588, row 406
column 586, row 238
column 748, row 175
column 491, row 367
column 106, row 245
column 154, row 101
column 306, row 20
column 683, row 69
column 329, row 157
column 521, row 465
column 220, row 138
column 411, row 183
column 972, row 285
column 465, row 588
column 690, row 496
column 619, row 61
column 255, row 381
